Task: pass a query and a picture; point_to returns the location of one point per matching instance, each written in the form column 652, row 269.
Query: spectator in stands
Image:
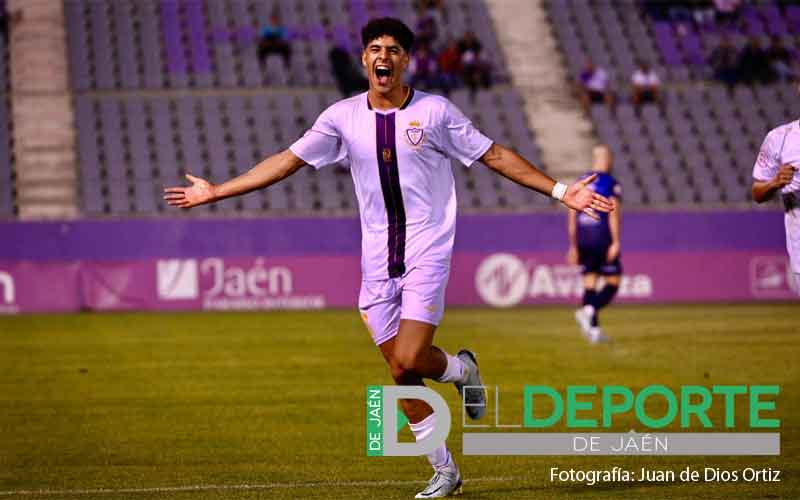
column 427, row 29
column 274, row 40
column 429, row 20
column 725, row 62
column 754, row 66
column 4, row 20
column 681, row 12
column 593, row 86
column 449, row 66
column 349, row 78
column 7, row 19
column 645, row 85
column 657, row 9
column 423, row 68
column 782, row 60
column 474, row 70
column 727, row 11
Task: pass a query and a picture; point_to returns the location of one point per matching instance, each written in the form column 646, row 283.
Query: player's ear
column 364, row 58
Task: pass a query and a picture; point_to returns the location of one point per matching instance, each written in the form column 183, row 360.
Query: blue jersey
column 596, row 233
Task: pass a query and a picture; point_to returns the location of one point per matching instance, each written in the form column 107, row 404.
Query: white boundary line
column 223, row 487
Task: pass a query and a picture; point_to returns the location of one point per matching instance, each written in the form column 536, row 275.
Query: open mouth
column 383, row 73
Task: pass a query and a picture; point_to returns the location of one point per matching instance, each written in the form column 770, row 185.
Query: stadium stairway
column 44, row 144
column 564, row 133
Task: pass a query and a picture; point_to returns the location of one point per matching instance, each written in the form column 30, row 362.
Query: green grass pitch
column 271, row 405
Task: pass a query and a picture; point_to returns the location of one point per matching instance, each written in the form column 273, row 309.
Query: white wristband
column 559, row 190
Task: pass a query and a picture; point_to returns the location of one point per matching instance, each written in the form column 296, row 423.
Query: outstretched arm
column 765, row 190
column 572, row 234
column 577, row 196
column 273, row 169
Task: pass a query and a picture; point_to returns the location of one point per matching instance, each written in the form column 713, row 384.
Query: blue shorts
column 593, row 260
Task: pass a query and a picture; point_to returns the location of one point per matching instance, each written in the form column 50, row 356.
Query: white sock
column 589, row 309
column 439, row 457
column 454, row 371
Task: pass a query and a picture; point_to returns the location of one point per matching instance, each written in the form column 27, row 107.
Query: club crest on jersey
column 414, row 133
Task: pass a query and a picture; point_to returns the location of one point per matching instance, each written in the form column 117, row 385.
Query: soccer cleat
column 475, row 396
column 446, row 481
column 584, row 319
column 596, row 336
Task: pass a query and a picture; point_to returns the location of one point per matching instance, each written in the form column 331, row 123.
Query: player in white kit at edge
column 776, row 170
column 397, row 143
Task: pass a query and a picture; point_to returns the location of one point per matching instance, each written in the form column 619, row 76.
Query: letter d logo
column 382, row 421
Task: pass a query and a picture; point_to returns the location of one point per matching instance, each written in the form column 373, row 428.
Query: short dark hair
column 390, row 26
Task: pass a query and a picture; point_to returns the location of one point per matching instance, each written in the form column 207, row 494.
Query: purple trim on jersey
column 392, row 196
column 403, row 106
column 408, row 100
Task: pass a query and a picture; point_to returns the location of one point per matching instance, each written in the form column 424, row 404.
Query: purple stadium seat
column 754, row 26
column 189, row 134
column 145, row 199
column 665, row 41
column 793, row 18
column 172, row 30
column 776, row 25
column 78, row 45
column 126, row 45
column 150, row 38
column 114, row 164
column 692, row 48
column 136, row 119
column 198, row 43
column 169, row 169
column 88, row 153
column 101, row 46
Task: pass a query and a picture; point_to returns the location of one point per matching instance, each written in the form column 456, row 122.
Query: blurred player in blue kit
column 594, row 244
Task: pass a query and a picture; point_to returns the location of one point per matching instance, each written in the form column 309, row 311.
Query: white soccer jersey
column 782, row 147
column 399, row 160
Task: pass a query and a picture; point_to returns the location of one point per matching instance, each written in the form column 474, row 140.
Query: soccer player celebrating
column 397, row 143
column 594, row 244
column 776, row 170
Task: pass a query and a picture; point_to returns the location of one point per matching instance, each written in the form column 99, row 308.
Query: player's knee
column 408, row 361
column 401, row 374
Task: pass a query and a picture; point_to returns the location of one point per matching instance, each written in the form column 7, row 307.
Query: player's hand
column 572, row 255
column 785, row 175
column 613, row 252
column 201, row 191
column 579, row 197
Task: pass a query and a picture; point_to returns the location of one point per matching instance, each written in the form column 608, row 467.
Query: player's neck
column 390, row 100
